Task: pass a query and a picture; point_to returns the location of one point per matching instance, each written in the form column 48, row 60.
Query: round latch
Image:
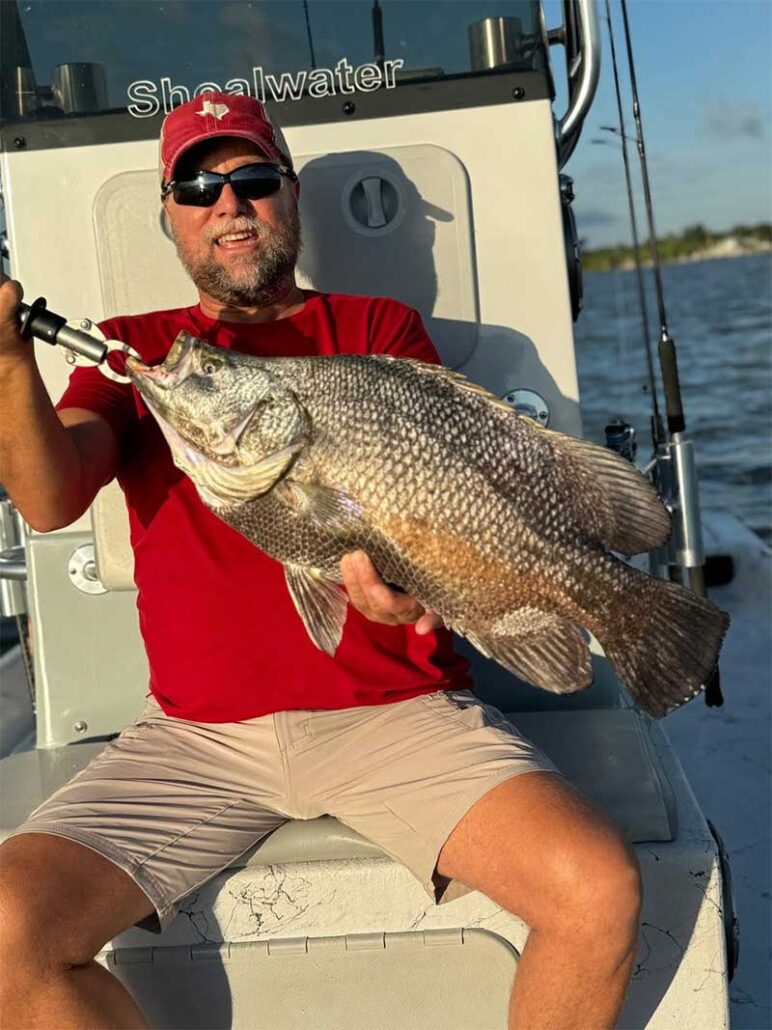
column 530, row 404
column 373, row 205
column 83, row 572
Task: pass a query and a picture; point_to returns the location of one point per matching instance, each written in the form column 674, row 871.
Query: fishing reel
column 620, row 437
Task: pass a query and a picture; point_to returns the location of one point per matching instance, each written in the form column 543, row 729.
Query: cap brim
column 214, row 134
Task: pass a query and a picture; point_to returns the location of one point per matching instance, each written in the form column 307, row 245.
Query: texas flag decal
column 216, row 110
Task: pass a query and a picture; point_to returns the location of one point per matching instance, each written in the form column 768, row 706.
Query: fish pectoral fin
column 539, row 647
column 321, row 604
column 242, row 483
column 329, row 508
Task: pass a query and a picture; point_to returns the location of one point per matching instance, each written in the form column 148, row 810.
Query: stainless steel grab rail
column 13, row 564
column 586, row 65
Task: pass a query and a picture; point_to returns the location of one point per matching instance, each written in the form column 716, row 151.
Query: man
column 247, row 723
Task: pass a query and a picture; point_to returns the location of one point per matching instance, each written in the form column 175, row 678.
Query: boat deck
column 725, row 753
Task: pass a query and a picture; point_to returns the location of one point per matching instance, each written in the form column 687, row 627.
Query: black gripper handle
column 38, row 321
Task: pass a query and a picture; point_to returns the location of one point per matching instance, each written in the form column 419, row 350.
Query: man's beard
column 261, row 275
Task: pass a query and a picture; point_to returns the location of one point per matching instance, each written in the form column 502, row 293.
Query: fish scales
column 410, row 518
column 503, row 528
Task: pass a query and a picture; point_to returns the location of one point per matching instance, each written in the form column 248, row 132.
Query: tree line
column 694, row 240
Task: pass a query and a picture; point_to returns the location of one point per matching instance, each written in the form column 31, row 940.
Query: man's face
column 247, row 271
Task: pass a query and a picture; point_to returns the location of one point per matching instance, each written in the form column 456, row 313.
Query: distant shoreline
column 694, row 244
column 710, row 254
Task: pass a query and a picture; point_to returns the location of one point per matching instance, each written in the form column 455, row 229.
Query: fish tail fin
column 666, row 658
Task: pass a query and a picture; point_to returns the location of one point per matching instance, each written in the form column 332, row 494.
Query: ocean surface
column 720, row 315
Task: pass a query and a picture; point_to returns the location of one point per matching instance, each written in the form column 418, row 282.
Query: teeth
column 232, row 236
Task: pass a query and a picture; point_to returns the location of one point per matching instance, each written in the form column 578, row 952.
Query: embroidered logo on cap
column 216, row 110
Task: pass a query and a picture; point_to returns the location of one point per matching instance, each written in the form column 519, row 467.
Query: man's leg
column 541, row 850
column 60, row 902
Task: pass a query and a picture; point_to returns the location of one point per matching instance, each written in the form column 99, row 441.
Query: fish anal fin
column 321, row 604
column 539, row 647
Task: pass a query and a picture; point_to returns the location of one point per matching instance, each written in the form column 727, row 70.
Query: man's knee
column 60, row 902
column 600, row 891
column 37, row 924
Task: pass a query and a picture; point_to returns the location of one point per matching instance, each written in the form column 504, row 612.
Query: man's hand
column 370, row 596
column 12, row 347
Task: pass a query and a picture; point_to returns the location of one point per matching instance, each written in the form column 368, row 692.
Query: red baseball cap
column 214, row 114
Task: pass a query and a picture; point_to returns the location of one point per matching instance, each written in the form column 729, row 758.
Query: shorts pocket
column 465, row 709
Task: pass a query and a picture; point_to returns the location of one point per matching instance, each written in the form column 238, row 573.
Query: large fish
column 500, row 526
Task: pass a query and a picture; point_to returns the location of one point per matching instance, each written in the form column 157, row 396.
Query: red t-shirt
column 223, row 638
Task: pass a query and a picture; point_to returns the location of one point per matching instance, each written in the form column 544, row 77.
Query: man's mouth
column 237, row 240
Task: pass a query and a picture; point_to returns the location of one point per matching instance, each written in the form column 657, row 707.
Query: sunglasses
column 250, row 182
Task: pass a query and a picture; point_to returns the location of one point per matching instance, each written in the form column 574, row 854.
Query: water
column 720, row 315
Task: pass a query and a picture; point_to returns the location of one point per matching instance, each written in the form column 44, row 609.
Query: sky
column 703, row 71
column 705, row 90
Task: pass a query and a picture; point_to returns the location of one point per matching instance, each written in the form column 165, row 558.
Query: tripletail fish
column 502, row 527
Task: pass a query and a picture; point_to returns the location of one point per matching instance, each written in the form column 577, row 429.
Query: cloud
column 594, row 217
column 733, row 120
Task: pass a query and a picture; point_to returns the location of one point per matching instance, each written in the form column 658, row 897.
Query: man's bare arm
column 52, row 465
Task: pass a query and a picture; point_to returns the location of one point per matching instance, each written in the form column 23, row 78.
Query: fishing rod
column 657, row 428
column 378, row 47
column 310, row 37
column 674, row 465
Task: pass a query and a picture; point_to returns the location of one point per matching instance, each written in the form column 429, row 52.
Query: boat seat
column 112, row 546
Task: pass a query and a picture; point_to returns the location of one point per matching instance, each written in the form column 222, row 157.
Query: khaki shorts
column 172, row 802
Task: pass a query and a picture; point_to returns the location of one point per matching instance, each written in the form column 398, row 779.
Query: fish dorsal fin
column 457, row 379
column 541, row 648
column 331, row 509
column 610, row 502
column 321, row 604
column 222, row 486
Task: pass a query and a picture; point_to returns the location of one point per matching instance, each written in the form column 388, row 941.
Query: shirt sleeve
column 88, row 388
column 398, row 330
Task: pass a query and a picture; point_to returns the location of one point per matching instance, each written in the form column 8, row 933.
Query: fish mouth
column 152, row 379
column 155, row 384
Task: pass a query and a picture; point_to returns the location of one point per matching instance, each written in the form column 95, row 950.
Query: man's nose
column 228, row 204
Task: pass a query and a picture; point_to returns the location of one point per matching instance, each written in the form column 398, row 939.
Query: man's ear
column 163, row 218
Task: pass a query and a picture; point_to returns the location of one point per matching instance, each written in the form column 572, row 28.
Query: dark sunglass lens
column 254, row 182
column 202, row 191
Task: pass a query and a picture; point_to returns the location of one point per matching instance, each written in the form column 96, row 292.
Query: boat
column 431, row 171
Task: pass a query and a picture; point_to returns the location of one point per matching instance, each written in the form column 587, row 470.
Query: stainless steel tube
column 79, row 87
column 495, row 43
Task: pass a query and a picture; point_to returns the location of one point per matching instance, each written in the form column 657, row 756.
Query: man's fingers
column 349, row 569
column 429, row 621
column 11, row 294
column 370, row 595
column 11, row 343
column 377, row 595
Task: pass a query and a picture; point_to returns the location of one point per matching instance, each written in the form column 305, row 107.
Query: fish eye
column 210, row 366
